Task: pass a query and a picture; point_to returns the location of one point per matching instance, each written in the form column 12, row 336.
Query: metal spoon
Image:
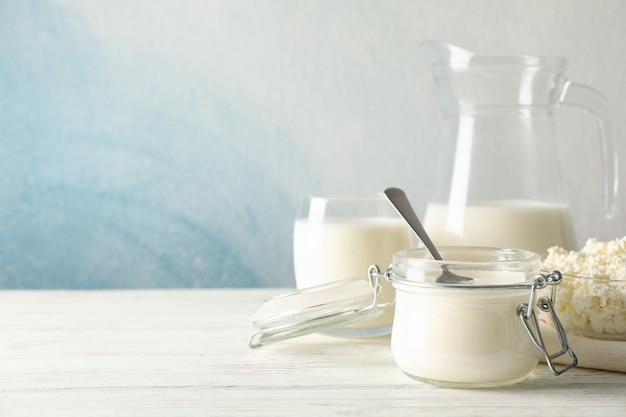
column 400, row 202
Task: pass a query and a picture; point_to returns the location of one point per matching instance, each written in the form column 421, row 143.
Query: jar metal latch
column 526, row 314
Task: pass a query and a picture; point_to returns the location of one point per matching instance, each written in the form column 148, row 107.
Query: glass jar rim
column 473, row 258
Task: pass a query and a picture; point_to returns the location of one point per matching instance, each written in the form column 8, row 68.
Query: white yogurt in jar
column 463, row 335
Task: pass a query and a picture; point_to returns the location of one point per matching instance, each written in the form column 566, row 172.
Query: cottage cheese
column 596, row 305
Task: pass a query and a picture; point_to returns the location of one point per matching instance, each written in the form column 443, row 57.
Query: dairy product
column 467, row 335
column 517, row 224
column 595, row 304
column 338, row 248
column 462, row 337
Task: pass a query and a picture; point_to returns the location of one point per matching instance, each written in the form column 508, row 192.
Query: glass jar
column 484, row 333
column 481, row 334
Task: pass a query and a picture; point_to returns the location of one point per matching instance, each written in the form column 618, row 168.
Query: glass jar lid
column 314, row 309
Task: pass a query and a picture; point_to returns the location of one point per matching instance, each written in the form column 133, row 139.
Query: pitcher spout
column 442, row 53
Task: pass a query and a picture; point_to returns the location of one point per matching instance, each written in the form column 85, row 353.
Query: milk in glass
column 336, row 248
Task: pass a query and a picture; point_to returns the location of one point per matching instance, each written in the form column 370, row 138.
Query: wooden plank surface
column 184, row 353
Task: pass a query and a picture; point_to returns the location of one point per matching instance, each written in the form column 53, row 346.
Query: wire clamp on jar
column 375, row 277
column 526, row 314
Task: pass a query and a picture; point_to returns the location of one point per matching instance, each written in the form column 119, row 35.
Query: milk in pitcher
column 528, row 225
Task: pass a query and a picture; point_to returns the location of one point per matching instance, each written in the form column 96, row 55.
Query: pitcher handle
column 580, row 95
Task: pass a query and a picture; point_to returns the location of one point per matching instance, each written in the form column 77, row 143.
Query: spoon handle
column 400, row 202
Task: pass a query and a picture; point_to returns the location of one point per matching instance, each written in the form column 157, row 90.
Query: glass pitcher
column 498, row 182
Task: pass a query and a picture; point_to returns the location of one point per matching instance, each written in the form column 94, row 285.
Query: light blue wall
column 120, row 167
column 165, row 143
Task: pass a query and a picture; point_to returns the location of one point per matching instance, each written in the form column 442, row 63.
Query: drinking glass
column 339, row 237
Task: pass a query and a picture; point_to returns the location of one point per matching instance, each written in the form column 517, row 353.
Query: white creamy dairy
column 339, row 248
column 462, row 337
column 509, row 224
column 595, row 305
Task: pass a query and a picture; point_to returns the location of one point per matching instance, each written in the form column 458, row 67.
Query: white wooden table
column 185, row 353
